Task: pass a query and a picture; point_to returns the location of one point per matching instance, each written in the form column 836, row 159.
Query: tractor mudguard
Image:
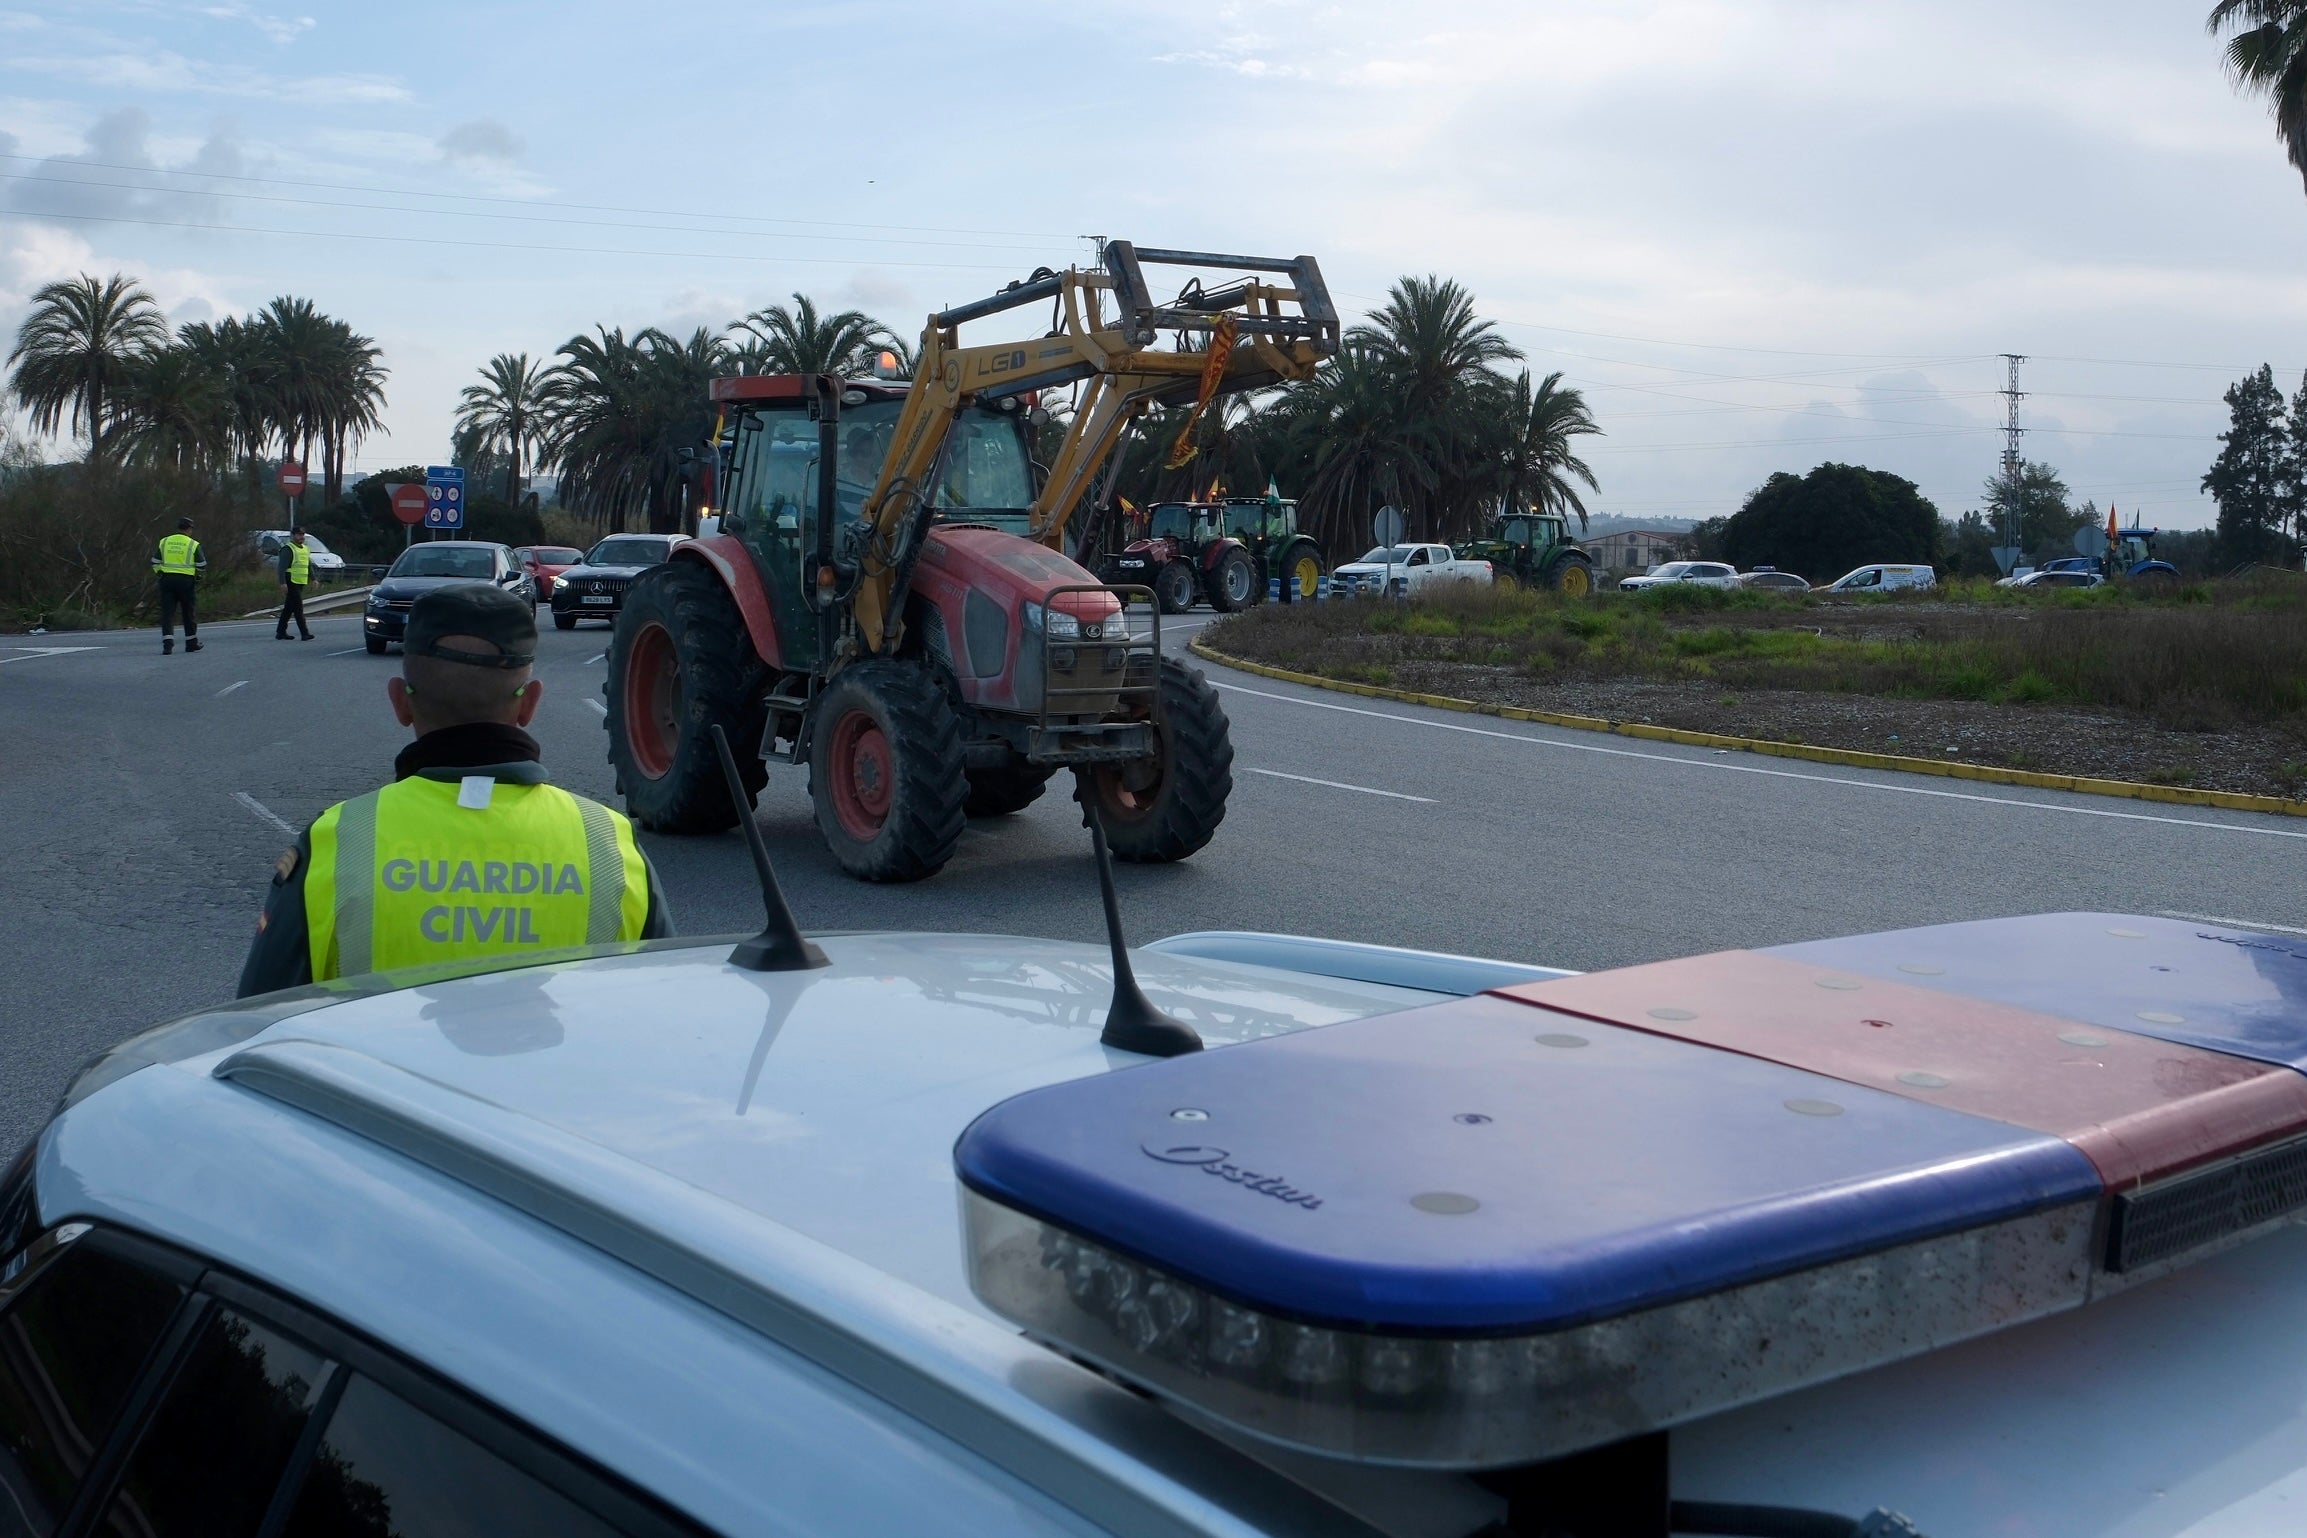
column 729, row 558
column 1215, row 551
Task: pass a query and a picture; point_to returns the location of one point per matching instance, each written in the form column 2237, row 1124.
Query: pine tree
column 2294, row 473
column 2248, row 478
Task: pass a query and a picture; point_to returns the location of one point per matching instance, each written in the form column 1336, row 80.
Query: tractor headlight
column 1062, row 626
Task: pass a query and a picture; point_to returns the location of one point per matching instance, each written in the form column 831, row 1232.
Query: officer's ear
column 397, row 690
column 532, row 692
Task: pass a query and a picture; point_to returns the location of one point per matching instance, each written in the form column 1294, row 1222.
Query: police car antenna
column 780, row 946
column 1132, row 1023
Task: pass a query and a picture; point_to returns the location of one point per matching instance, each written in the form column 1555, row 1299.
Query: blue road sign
column 444, row 497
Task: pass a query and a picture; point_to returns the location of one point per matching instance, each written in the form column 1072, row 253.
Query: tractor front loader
column 888, row 601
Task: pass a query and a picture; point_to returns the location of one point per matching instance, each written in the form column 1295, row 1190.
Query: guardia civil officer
column 295, row 577
column 178, row 563
column 470, row 852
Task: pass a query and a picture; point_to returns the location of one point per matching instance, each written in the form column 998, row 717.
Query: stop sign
column 408, row 501
column 291, row 477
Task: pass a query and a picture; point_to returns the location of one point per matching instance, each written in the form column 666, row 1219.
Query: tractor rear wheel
column 1173, row 587
column 1011, row 788
column 1167, row 807
column 1233, row 581
column 885, row 771
column 1572, row 576
column 681, row 661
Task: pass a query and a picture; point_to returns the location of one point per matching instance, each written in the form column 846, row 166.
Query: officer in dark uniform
column 177, row 564
column 471, row 853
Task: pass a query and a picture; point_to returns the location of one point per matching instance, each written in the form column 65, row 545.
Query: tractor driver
column 471, row 853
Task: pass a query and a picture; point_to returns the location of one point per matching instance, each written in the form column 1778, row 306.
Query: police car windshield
column 433, row 561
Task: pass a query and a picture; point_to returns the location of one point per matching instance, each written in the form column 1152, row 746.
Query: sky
column 1759, row 235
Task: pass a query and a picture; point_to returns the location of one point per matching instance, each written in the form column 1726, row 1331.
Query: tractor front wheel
column 681, row 661
column 1301, row 571
column 885, row 771
column 1164, row 808
column 1012, row 788
column 1173, row 587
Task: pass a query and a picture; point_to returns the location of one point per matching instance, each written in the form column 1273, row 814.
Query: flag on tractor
column 1221, row 349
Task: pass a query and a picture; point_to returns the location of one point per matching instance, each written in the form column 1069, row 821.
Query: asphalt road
column 143, row 799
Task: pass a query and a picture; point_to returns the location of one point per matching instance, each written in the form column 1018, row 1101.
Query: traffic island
column 2199, row 704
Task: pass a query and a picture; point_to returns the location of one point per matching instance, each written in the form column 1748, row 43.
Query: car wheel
column 376, row 647
column 564, row 621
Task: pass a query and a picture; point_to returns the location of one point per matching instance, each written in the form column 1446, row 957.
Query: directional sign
column 408, row 501
column 444, row 497
column 291, row 477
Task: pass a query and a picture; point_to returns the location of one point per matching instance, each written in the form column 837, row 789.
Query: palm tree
column 616, row 416
column 1438, row 353
column 800, row 341
column 1355, row 447
column 81, row 339
column 352, row 402
column 230, row 349
column 503, row 409
column 2267, row 55
column 177, row 409
column 1541, row 462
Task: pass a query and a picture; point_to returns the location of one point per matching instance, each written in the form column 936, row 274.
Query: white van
column 1883, row 579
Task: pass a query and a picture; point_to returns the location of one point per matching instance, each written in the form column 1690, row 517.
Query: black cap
column 474, row 609
column 184, row 523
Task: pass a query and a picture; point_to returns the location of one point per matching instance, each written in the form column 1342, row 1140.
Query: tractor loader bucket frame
column 1283, row 330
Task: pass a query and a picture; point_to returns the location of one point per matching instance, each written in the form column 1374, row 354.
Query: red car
column 544, row 563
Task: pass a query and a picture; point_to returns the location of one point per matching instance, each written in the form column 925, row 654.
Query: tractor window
column 986, row 464
column 1516, row 531
column 1171, row 520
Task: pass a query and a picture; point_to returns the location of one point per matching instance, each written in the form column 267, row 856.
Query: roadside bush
column 80, row 544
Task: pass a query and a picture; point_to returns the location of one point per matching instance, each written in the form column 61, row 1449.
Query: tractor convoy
column 1228, row 551
column 887, row 600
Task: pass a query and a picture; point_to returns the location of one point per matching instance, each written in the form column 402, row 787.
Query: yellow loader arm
column 1105, row 332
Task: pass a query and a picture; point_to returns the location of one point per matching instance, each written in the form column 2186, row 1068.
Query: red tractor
column 886, row 601
column 1185, row 557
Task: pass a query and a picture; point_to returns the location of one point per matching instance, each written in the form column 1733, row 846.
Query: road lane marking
column 597, row 705
column 1307, row 779
column 263, row 811
column 348, row 651
column 1776, row 774
column 2213, row 918
column 26, row 653
column 589, row 661
column 228, row 688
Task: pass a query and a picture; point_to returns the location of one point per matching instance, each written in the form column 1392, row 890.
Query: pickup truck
column 1413, row 568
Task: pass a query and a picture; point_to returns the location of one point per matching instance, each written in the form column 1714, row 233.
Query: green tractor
column 1268, row 527
column 1534, row 549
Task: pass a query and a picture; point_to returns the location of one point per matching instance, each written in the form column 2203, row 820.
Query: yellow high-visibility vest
column 299, row 564
column 430, row 870
column 179, row 556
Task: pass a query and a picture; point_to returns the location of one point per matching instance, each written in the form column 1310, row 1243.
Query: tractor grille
column 2188, row 1211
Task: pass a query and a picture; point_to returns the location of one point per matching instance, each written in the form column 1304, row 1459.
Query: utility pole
column 2012, row 395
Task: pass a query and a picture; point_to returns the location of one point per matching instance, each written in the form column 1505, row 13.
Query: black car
column 437, row 563
column 596, row 588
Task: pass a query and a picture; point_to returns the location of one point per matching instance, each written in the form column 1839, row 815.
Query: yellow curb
column 2178, row 795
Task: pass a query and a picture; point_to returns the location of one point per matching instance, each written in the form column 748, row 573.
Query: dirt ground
column 2267, row 761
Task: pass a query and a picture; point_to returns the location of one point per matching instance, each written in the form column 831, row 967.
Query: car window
column 207, row 1465
column 1419, row 557
column 627, row 552
column 312, row 543
column 71, row 1346
column 446, row 561
column 557, row 555
column 385, row 1467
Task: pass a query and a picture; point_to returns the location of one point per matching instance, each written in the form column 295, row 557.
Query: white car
column 1411, row 568
column 2041, row 579
column 1673, row 573
column 1889, row 578
column 1770, row 579
column 326, row 563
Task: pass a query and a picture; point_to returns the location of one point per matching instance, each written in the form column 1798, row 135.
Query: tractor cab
column 1187, row 523
column 770, row 448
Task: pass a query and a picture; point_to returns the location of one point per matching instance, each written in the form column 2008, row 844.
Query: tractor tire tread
column 723, row 680
column 1201, row 771
column 928, row 809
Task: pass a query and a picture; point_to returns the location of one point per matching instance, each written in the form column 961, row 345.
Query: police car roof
column 777, row 1147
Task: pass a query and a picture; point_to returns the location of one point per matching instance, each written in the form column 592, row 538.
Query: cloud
column 161, row 72
column 482, row 139
column 116, row 176
column 280, row 30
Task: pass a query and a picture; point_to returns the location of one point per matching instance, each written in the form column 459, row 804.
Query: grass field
column 2210, row 657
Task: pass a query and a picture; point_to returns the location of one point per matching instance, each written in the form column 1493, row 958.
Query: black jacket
column 281, row 954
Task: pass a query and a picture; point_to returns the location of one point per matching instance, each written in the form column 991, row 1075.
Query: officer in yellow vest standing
column 470, row 853
column 178, row 563
column 295, row 576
